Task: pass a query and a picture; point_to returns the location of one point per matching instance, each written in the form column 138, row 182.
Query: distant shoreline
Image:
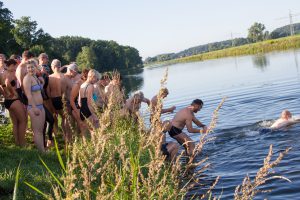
column 291, row 42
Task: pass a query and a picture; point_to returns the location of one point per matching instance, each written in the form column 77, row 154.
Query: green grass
column 280, row 44
column 31, row 169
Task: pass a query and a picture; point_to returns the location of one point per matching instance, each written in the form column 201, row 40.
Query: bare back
column 182, row 117
column 57, row 85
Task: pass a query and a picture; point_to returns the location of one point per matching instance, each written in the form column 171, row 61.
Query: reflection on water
column 296, row 60
column 260, row 61
column 132, row 79
column 258, row 89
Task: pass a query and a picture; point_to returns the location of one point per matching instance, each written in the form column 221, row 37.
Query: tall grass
column 285, row 43
column 248, row 189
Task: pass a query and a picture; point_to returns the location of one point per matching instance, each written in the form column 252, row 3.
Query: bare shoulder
column 27, row 78
column 154, row 99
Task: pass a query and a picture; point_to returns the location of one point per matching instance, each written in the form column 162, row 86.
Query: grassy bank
column 285, row 43
column 31, row 169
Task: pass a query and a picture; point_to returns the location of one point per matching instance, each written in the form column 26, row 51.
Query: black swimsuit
column 57, row 103
column 84, row 109
column 8, row 102
column 174, row 131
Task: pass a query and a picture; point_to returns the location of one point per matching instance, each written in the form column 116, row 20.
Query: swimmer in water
column 285, row 120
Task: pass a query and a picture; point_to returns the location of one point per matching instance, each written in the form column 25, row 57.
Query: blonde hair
column 92, row 73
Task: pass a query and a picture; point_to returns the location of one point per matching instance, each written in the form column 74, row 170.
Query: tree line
column 22, row 34
column 256, row 33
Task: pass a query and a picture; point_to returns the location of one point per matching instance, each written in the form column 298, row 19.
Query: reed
column 249, row 188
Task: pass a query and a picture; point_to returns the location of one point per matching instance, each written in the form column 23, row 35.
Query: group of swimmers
column 31, row 87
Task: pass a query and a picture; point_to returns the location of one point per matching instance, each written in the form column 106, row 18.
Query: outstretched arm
column 190, row 128
column 199, row 124
column 145, row 100
column 166, row 110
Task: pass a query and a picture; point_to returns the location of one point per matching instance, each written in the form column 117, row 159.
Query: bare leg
column 20, row 114
column 187, row 142
column 15, row 126
column 37, row 124
column 80, row 124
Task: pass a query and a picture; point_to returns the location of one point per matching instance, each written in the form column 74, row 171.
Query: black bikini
column 84, row 109
column 8, row 102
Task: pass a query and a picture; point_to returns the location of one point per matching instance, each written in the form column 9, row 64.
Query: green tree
column 86, row 58
column 70, row 46
column 6, row 37
column 256, row 32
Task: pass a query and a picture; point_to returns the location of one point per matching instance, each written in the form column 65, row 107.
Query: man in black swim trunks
column 56, row 89
column 185, row 117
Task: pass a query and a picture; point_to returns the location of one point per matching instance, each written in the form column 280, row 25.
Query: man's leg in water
column 186, row 141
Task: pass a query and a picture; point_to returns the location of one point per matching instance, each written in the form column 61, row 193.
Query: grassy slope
column 259, row 47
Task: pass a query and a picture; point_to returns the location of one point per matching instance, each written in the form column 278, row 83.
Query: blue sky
column 156, row 26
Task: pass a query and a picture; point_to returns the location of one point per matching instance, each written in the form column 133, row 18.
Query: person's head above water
column 197, row 104
column 286, row 114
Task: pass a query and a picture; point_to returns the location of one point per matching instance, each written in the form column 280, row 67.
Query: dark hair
column 10, row 62
column 198, row 102
column 27, row 54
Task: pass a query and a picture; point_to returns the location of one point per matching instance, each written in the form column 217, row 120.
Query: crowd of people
column 33, row 88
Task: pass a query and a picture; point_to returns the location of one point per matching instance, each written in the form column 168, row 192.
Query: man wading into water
column 185, row 117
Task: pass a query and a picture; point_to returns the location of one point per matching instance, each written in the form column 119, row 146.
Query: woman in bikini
column 32, row 88
column 13, row 104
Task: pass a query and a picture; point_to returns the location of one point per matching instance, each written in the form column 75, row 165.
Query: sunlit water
column 258, row 88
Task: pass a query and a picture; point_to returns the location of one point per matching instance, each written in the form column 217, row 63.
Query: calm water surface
column 258, row 88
